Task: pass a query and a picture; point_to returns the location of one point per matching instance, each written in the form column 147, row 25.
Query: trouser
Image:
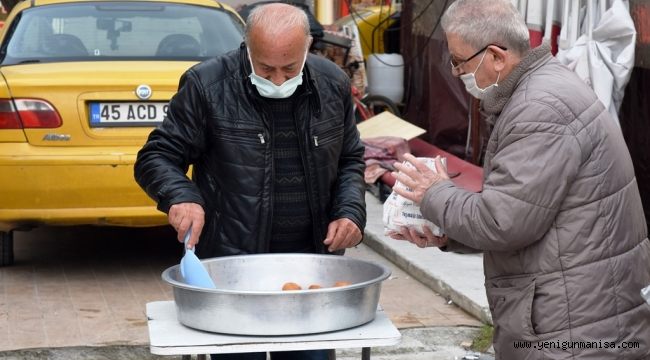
column 281, row 355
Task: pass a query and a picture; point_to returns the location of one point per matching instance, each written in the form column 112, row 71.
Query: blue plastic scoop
column 192, row 269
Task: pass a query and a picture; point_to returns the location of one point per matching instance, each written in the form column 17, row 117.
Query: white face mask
column 472, row 87
column 268, row 89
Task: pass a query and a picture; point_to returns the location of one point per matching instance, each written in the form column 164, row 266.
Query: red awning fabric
column 464, row 174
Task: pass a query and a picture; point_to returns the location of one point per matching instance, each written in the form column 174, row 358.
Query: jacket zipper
column 310, row 191
column 242, row 136
column 264, row 233
column 326, row 137
column 269, row 148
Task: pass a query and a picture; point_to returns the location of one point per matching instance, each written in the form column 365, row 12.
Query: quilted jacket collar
column 494, row 102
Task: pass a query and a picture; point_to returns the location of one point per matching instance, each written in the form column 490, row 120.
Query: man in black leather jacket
column 277, row 160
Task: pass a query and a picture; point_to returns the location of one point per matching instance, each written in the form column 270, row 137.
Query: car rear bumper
column 72, row 186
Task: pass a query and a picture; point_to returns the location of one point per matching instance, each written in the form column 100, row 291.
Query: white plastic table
column 167, row 336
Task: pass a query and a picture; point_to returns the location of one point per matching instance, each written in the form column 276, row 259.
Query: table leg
column 365, row 353
column 186, row 357
column 198, row 357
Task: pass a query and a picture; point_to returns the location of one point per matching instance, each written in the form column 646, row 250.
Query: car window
column 121, row 30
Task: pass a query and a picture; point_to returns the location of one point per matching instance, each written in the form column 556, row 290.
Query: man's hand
column 342, row 233
column 428, row 240
column 418, row 178
column 183, row 215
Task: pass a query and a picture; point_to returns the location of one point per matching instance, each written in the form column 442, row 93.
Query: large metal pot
column 249, row 299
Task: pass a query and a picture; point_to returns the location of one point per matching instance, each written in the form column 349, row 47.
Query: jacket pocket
column 241, row 136
column 511, row 307
column 511, row 302
column 322, row 136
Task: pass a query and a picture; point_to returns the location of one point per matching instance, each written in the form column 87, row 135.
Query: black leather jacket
column 218, row 123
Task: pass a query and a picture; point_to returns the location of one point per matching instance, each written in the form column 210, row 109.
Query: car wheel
column 6, row 248
column 378, row 104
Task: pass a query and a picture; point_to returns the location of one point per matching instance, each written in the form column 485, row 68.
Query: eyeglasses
column 457, row 64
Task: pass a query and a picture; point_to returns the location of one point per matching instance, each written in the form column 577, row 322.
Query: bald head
column 276, row 20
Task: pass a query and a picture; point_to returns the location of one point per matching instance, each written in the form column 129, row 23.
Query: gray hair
column 483, row 22
column 276, row 19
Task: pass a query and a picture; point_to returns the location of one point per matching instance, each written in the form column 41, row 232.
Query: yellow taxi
column 82, row 83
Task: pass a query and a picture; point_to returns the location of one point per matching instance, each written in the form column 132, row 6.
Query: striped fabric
column 292, row 222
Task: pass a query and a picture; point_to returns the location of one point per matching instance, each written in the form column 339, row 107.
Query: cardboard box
column 387, row 124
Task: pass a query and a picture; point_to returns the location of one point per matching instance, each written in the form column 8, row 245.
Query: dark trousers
column 281, row 355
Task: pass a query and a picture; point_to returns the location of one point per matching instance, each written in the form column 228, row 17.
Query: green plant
column 483, row 340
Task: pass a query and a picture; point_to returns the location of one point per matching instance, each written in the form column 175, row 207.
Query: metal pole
column 365, row 353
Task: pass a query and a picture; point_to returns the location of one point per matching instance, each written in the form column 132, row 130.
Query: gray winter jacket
column 559, row 220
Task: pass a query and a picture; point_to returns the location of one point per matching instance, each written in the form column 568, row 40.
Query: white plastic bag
column 645, row 293
column 399, row 211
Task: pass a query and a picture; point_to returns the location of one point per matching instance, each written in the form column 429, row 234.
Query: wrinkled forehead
column 289, row 52
column 264, row 44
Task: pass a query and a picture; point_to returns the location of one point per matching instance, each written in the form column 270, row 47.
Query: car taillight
column 27, row 113
column 8, row 116
column 37, row 114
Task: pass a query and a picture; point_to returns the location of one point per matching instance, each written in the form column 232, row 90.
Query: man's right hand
column 182, row 216
column 428, row 240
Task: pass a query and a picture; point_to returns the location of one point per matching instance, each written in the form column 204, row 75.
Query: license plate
column 127, row 114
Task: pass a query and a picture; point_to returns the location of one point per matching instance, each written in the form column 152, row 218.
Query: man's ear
column 499, row 58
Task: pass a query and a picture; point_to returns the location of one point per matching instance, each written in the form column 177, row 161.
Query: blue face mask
column 268, row 89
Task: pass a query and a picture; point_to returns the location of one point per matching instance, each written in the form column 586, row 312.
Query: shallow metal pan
column 249, row 299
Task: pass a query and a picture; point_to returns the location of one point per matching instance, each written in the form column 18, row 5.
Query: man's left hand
column 418, row 178
column 341, row 234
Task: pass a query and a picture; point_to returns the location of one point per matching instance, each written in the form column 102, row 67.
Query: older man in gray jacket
column 559, row 220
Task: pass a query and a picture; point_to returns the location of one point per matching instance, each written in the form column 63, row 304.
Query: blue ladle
column 192, row 270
